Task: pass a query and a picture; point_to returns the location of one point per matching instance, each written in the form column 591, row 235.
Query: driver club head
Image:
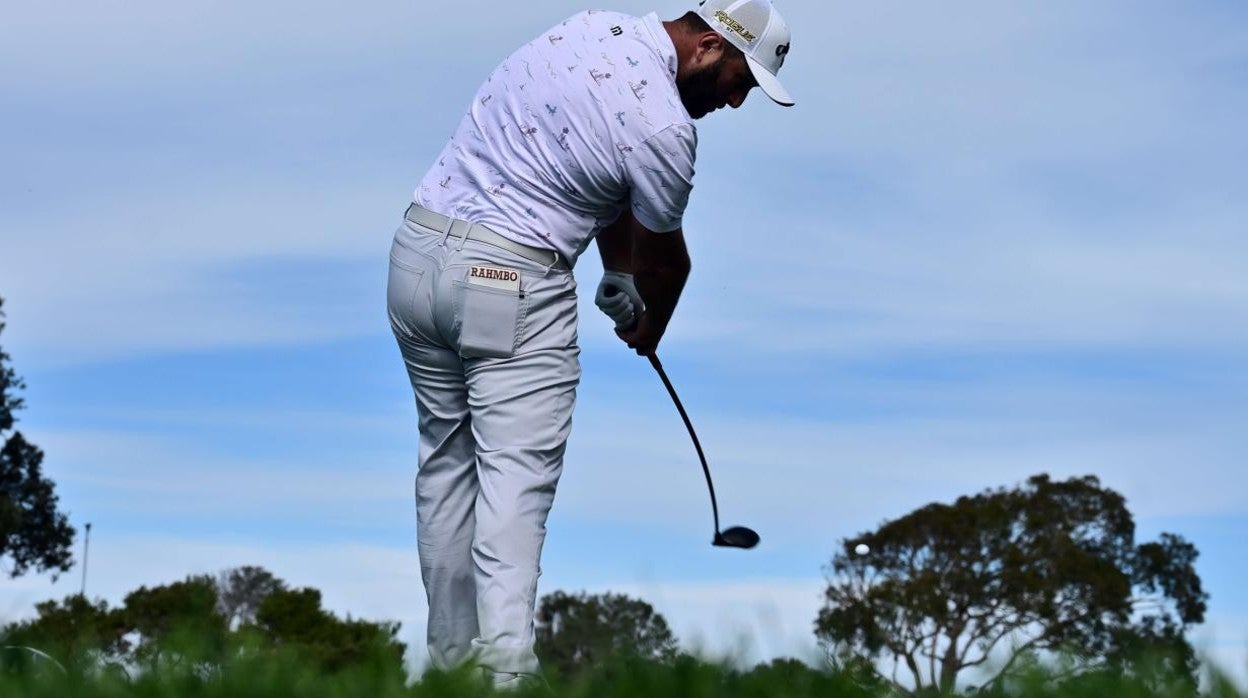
column 736, row 537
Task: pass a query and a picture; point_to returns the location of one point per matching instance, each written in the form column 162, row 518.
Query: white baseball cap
column 755, row 27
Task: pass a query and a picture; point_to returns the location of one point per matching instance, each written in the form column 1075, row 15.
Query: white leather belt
column 475, row 231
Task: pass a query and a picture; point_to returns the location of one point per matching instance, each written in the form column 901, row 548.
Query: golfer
column 585, row 133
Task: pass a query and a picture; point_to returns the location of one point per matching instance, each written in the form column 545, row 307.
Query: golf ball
column 862, row 549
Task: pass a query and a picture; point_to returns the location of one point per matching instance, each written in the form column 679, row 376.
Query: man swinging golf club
column 587, row 132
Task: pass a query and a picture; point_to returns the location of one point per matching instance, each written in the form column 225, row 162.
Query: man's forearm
column 615, row 244
column 660, row 281
column 659, row 264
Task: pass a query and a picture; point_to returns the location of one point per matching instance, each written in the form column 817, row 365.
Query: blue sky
column 989, row 241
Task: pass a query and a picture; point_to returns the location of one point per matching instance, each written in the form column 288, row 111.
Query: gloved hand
column 617, row 297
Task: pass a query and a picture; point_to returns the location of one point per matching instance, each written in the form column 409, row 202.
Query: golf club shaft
column 654, row 361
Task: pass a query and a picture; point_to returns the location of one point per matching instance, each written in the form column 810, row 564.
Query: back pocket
column 401, row 287
column 488, row 320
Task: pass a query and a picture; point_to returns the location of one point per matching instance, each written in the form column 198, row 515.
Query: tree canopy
column 182, row 614
column 181, row 625
column 576, row 631
column 33, row 533
column 241, row 590
column 1008, row 573
column 75, row 630
column 293, row 618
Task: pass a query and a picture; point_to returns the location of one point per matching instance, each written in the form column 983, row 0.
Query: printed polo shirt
column 567, row 131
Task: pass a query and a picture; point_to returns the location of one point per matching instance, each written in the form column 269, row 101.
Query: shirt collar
column 662, row 42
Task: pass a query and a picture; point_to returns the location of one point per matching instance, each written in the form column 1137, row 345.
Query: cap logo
column 725, row 19
column 781, row 51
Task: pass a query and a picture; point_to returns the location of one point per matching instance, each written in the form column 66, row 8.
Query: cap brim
column 769, row 83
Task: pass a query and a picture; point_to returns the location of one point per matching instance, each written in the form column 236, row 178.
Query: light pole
column 86, row 547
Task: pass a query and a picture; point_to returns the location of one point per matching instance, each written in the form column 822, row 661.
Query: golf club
column 736, row 536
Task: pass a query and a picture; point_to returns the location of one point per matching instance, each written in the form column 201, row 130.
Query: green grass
column 286, row 674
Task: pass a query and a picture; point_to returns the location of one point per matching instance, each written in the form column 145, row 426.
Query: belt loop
column 467, row 230
column 450, row 223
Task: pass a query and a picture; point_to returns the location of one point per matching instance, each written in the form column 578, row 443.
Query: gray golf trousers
column 495, row 374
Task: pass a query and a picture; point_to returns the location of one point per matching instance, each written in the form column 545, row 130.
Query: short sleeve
column 660, row 172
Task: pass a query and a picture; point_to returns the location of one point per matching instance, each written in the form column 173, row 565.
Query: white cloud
column 805, row 479
column 166, row 278
column 969, row 243
column 119, row 478
column 984, row 83
column 122, row 46
column 1016, row 281
column 797, row 478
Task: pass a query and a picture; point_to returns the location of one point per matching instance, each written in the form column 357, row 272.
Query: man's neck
column 684, row 46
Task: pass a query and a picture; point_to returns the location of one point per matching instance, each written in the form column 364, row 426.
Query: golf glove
column 617, row 297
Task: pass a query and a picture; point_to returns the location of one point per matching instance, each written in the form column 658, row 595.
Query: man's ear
column 708, row 48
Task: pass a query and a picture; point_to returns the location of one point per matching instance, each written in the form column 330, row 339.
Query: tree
column 176, row 623
column 241, row 590
column 1007, row 574
column 32, row 532
column 575, row 632
column 81, row 633
column 294, row 620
